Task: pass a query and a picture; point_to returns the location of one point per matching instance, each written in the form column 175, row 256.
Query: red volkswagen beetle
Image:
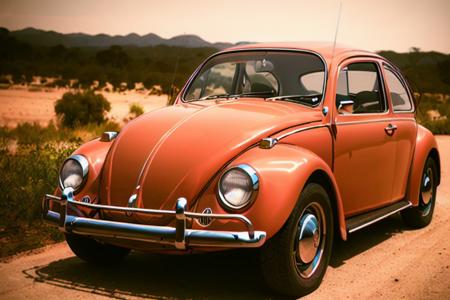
column 281, row 147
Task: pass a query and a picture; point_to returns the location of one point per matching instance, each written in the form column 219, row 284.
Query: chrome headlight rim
column 83, row 162
column 253, row 175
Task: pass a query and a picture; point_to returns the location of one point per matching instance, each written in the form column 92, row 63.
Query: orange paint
column 181, row 151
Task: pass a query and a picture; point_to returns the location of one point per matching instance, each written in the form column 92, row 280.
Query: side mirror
column 345, row 106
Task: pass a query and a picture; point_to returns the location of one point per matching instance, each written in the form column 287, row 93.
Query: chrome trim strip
column 299, row 130
column 380, row 218
column 178, row 236
column 375, row 121
column 194, row 75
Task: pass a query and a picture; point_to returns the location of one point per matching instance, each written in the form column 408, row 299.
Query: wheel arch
column 426, row 146
column 434, row 154
column 284, row 172
column 321, row 177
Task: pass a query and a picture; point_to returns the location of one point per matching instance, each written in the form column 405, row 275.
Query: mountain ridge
column 51, row 38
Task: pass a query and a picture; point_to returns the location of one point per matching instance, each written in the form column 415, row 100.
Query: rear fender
column 426, row 146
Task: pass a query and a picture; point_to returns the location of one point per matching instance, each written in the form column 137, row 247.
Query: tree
column 136, row 110
column 82, row 108
column 115, row 57
column 444, row 71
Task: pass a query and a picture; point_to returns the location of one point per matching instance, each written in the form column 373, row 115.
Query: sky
column 368, row 24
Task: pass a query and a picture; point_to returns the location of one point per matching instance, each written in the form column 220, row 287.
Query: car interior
column 359, row 82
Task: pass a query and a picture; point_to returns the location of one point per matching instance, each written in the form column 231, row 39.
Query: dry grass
column 19, row 105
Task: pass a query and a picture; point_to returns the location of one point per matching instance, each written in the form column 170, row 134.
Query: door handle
column 390, row 129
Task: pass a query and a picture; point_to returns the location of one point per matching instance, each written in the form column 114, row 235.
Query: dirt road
column 385, row 260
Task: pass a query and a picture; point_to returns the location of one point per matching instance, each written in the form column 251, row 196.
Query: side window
column 359, row 83
column 399, row 95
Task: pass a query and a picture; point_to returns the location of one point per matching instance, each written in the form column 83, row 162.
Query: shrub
column 438, row 126
column 136, row 110
column 26, row 174
column 30, row 157
column 82, row 108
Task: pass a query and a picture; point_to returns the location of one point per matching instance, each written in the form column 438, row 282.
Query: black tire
column 282, row 265
column 420, row 216
column 95, row 252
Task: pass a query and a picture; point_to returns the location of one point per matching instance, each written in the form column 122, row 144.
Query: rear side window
column 399, row 95
column 360, row 83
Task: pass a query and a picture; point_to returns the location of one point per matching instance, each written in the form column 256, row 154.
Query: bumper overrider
column 179, row 236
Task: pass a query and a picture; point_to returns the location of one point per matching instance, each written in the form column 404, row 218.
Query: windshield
column 278, row 75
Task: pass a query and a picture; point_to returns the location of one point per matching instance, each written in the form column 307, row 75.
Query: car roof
column 325, row 49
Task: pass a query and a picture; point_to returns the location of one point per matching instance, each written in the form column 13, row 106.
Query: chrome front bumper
column 178, row 236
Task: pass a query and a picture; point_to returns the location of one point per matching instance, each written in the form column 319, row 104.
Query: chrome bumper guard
column 178, row 236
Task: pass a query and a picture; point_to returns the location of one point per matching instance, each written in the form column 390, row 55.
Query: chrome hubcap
column 426, row 191
column 310, row 240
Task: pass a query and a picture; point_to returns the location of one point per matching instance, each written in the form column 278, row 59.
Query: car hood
column 173, row 152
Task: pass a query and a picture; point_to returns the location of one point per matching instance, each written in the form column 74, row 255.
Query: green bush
column 136, row 110
column 30, row 158
column 428, row 103
column 438, row 126
column 27, row 172
column 82, row 108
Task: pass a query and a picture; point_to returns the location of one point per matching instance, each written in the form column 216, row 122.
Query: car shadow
column 222, row 275
column 366, row 238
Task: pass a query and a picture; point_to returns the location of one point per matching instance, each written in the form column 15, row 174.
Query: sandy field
column 386, row 260
column 19, row 105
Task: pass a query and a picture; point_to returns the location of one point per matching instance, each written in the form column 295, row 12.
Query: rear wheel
column 420, row 216
column 95, row 252
column 294, row 261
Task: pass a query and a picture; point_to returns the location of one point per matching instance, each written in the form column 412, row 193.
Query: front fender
column 95, row 152
column 425, row 145
column 283, row 172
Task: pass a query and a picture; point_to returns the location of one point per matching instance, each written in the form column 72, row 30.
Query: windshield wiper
column 313, row 99
column 235, row 96
column 256, row 93
column 216, row 96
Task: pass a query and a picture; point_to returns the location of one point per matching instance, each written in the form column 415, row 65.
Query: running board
column 360, row 221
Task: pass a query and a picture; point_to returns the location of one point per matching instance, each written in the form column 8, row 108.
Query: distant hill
column 52, row 38
column 153, row 60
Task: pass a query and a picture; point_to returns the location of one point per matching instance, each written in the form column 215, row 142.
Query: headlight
column 73, row 172
column 238, row 186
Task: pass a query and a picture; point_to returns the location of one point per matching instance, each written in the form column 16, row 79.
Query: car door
column 405, row 128
column 364, row 146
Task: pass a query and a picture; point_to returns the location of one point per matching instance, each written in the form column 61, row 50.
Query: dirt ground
column 19, row 105
column 385, row 260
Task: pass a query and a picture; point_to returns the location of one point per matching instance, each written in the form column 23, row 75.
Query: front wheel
column 95, row 252
column 294, row 261
column 420, row 216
